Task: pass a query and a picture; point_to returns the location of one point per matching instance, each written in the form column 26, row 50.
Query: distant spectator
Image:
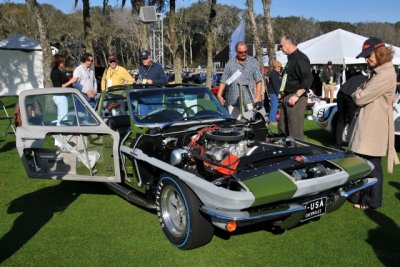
column 57, row 75
column 60, row 79
column 275, row 81
column 329, row 81
column 86, row 81
column 150, row 72
column 115, row 74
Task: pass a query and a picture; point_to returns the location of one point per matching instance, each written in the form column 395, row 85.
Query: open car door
column 62, row 137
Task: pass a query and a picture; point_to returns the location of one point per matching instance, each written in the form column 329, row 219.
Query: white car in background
column 326, row 114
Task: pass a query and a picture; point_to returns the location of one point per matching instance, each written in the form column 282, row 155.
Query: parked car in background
column 325, row 114
column 215, row 81
column 174, row 149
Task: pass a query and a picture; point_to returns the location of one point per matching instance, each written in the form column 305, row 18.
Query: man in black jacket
column 296, row 82
column 346, row 106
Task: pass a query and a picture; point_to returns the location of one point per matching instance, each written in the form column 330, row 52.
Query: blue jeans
column 274, row 107
column 92, row 101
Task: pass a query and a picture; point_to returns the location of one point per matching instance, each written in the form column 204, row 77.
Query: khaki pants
column 329, row 91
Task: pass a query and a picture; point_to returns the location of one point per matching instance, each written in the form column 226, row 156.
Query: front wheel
column 179, row 215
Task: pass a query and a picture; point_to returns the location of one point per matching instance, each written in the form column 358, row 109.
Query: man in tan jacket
column 373, row 134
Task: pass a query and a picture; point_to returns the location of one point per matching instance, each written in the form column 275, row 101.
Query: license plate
column 314, row 208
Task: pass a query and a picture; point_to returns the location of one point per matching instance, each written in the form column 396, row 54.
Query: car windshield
column 169, row 105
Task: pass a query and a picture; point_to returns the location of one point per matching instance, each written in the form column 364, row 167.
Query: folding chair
column 6, row 117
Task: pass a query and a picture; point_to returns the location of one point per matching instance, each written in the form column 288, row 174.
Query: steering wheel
column 191, row 107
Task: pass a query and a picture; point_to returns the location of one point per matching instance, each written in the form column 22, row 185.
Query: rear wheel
column 179, row 215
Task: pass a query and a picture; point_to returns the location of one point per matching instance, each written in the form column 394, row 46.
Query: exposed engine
column 220, row 149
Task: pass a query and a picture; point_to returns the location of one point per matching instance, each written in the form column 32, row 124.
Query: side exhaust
column 131, row 196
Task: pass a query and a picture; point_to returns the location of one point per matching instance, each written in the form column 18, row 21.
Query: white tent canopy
column 21, row 65
column 339, row 46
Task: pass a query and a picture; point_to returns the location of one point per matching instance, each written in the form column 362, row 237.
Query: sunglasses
column 91, row 60
column 112, row 61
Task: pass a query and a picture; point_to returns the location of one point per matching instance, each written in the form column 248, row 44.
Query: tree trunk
column 269, row 32
column 176, row 53
column 44, row 43
column 256, row 37
column 87, row 27
column 143, row 29
column 191, row 50
column 209, row 39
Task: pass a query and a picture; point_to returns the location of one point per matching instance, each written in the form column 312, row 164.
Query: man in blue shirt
column 149, row 71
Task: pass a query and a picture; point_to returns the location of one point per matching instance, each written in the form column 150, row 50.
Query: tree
column 209, row 36
column 143, row 29
column 176, row 53
column 87, row 26
column 254, row 30
column 269, row 32
column 46, row 49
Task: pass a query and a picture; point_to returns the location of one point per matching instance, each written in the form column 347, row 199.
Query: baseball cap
column 112, row 58
column 329, row 62
column 145, row 54
column 369, row 46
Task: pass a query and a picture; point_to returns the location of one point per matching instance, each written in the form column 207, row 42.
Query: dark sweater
column 154, row 72
column 351, row 85
column 298, row 71
column 275, row 81
column 58, row 77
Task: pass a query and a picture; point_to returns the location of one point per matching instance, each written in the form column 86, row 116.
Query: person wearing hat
column 150, row 72
column 372, row 130
column 329, row 81
column 115, row 74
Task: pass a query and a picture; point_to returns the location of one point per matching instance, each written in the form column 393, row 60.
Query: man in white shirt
column 86, row 81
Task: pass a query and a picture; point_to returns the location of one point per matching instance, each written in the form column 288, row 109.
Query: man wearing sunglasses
column 241, row 71
column 86, row 81
column 115, row 74
column 149, row 71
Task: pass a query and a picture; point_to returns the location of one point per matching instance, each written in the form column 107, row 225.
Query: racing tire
column 178, row 213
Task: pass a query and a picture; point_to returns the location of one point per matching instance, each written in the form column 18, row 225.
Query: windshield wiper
column 197, row 118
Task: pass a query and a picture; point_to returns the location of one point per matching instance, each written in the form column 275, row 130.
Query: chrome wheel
column 174, row 212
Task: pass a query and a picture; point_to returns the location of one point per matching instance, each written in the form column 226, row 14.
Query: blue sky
column 322, row 10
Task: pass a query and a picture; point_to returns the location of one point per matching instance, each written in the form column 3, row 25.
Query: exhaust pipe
column 131, row 196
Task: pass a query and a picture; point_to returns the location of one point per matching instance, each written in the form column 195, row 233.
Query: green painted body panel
column 271, row 187
column 129, row 166
column 355, row 166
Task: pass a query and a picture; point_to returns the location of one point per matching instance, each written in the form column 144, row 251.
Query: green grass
column 52, row 223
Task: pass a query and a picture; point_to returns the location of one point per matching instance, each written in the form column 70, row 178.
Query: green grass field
column 52, row 223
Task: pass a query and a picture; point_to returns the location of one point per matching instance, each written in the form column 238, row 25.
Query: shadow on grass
column 38, row 208
column 397, row 186
column 320, row 135
column 384, row 239
column 10, row 145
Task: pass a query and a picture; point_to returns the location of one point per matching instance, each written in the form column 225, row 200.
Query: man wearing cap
column 329, row 81
column 372, row 136
column 115, row 74
column 149, row 71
